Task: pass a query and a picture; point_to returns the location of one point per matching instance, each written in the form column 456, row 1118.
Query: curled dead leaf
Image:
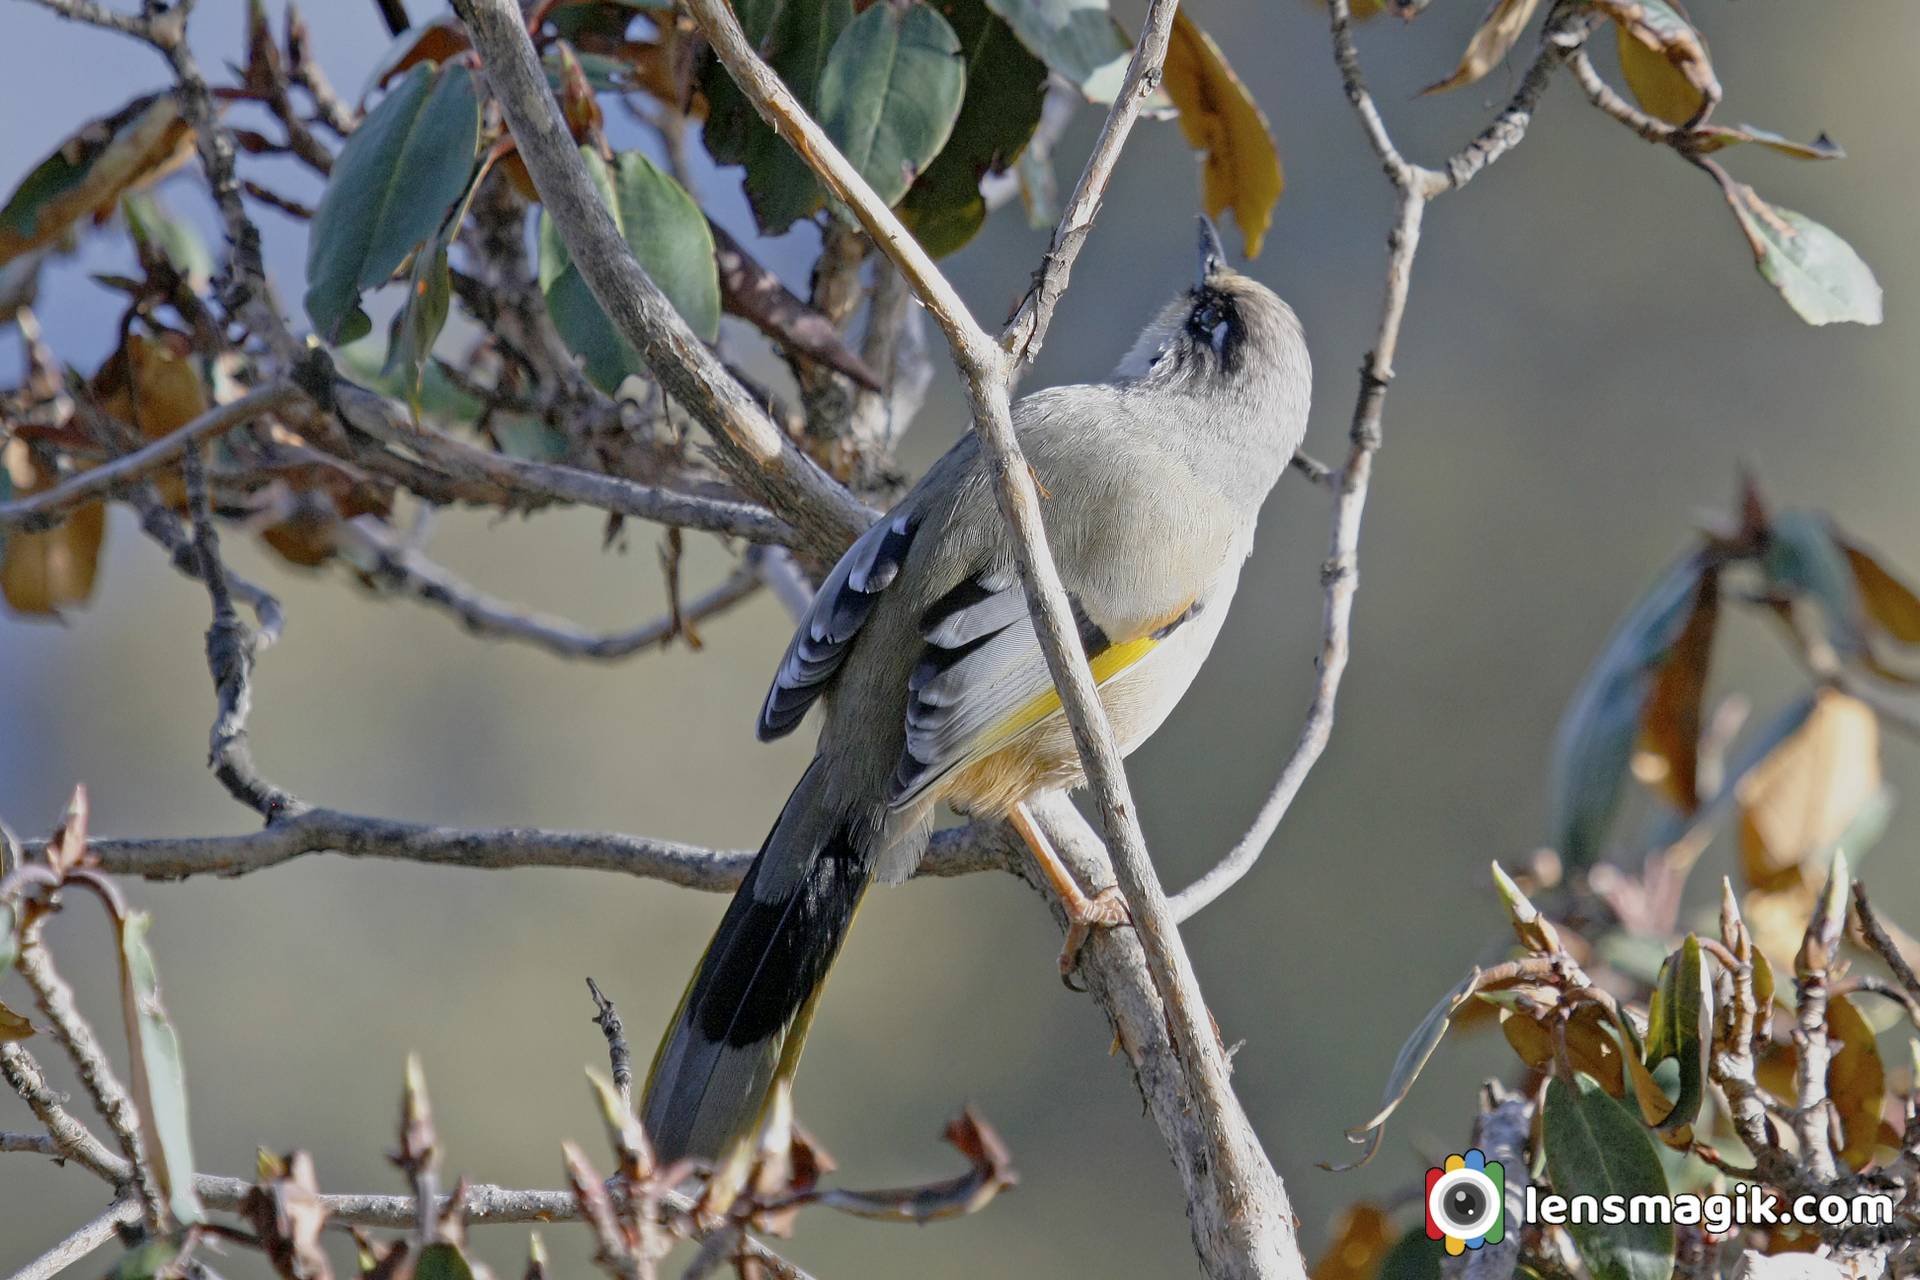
column 1499, row 30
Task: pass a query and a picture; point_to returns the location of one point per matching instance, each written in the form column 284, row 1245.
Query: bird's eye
column 1219, row 336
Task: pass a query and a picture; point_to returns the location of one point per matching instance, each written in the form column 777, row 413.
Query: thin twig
column 619, row 1053
column 1025, row 332
column 389, row 422
column 70, row 1138
column 231, row 645
column 1339, row 575
column 399, row 568
column 49, row 506
column 75, row 1035
column 1883, row 943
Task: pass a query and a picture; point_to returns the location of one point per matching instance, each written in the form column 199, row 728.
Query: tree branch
column 84, row 1240
column 961, row 851
column 1242, row 1220
column 389, row 422
column 231, row 646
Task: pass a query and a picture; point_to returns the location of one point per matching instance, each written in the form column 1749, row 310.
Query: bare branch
column 48, row 507
column 110, row 1097
column 1029, row 324
column 70, row 1138
column 764, row 462
column 396, row 567
column 389, row 422
column 231, row 646
column 1240, row 1210
column 83, row 1241
column 961, row 851
column 1340, row 574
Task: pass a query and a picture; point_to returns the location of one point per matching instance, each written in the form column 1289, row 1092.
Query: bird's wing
column 982, row 679
column 842, row 605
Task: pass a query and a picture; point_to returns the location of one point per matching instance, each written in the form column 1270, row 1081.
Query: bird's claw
column 1104, row 910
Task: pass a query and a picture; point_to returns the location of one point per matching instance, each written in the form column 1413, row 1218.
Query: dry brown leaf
column 1888, row 601
column 288, row 1215
column 1241, row 166
column 152, row 384
column 136, row 146
column 436, row 41
column 42, row 573
column 1670, row 724
column 1799, row 801
column 1361, row 1238
column 1494, row 39
column 13, row 1026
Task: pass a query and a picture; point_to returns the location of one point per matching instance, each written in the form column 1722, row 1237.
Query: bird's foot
column 1104, row 910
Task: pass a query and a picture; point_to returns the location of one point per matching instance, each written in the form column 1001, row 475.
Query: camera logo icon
column 1467, row 1202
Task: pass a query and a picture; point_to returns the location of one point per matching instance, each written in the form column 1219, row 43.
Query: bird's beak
column 1213, row 256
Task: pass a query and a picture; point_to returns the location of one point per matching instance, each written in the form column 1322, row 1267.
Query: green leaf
column 1594, row 744
column 1803, row 557
column 890, row 93
column 1596, row 1147
column 1407, row 1066
column 1680, row 1026
column 442, row 1261
column 174, row 240
column 159, row 1072
column 794, row 36
column 1005, row 91
column 1817, row 272
column 417, row 325
column 392, row 187
column 147, row 1261
column 668, row 235
column 1076, row 38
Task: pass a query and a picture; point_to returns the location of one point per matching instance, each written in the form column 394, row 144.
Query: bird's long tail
column 745, row 1014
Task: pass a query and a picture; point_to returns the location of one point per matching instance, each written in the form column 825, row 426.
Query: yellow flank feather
column 1107, row 664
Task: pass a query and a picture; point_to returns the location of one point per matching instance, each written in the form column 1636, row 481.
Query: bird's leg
column 1103, row 910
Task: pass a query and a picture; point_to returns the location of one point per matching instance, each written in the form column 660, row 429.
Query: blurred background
column 1588, row 360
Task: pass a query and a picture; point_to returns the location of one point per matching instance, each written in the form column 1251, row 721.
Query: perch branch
column 1240, row 1213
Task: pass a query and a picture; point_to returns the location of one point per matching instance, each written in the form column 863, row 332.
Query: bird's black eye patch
column 1214, row 324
